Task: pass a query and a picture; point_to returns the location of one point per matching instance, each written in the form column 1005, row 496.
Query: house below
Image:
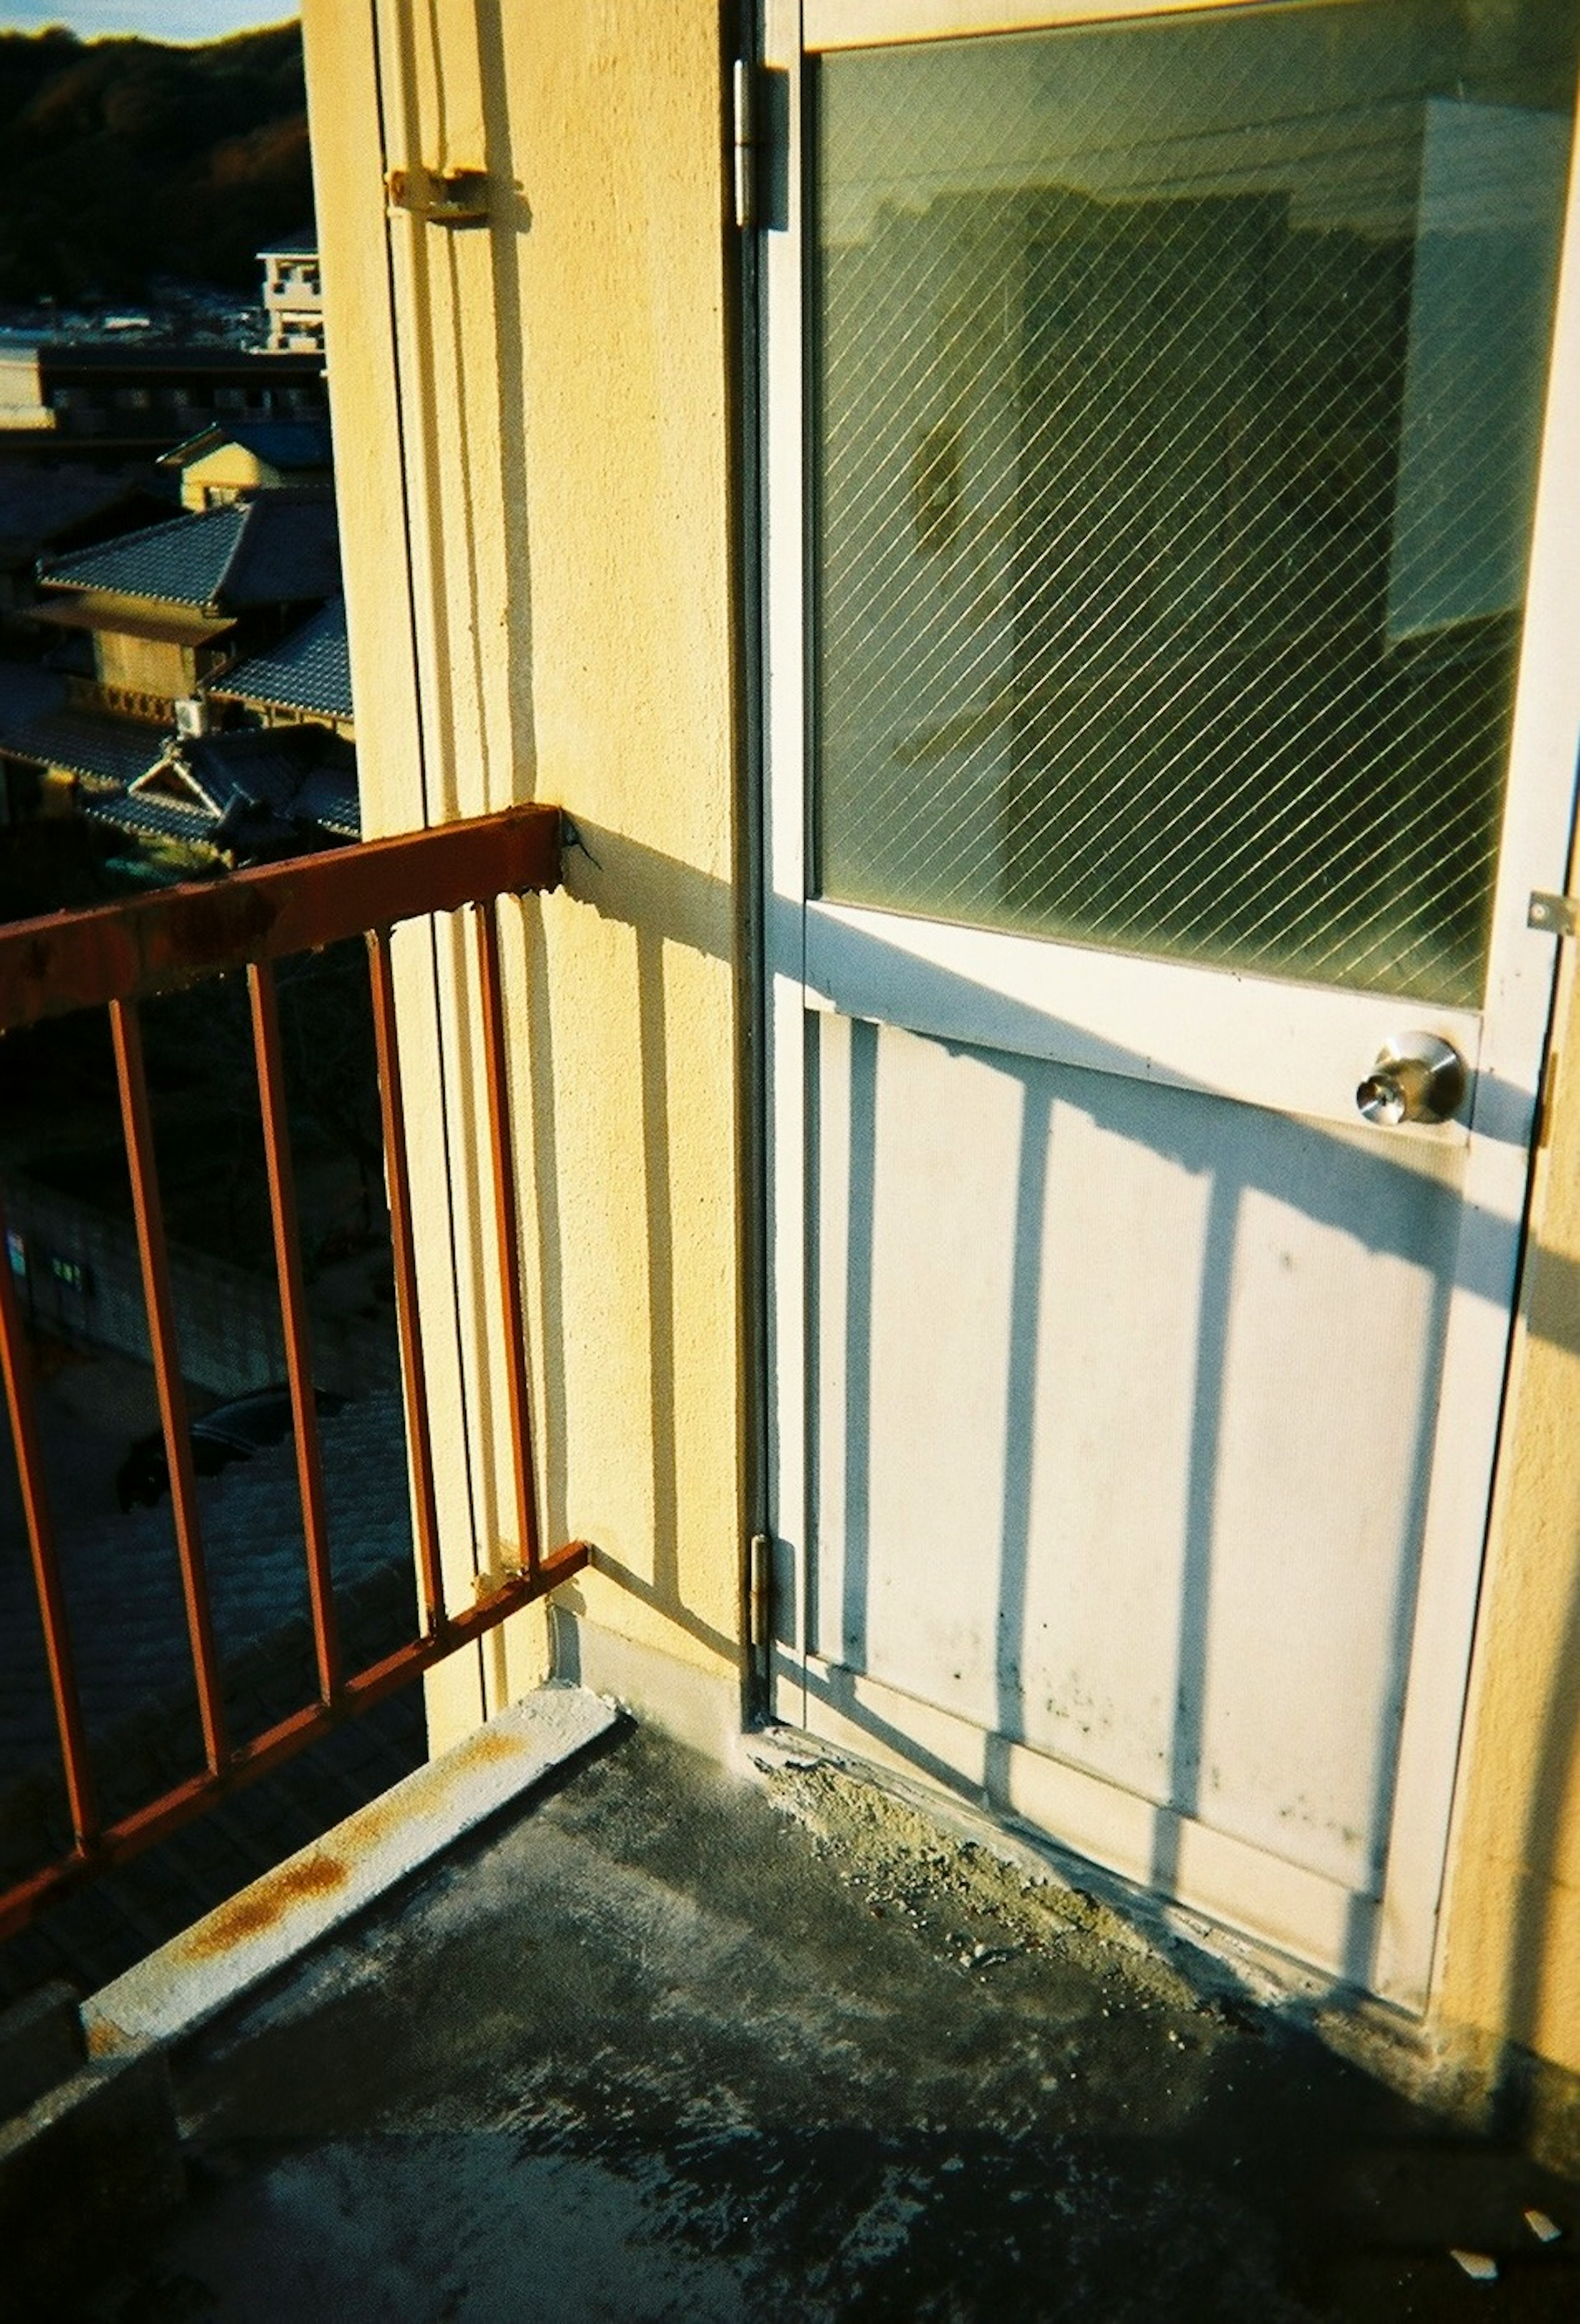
column 147, row 622
column 62, row 758
column 169, row 607
column 304, row 678
column 228, row 799
column 223, row 462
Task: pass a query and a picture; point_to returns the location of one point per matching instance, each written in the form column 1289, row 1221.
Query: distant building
column 131, row 394
column 283, row 780
column 171, row 607
column 241, row 797
column 293, row 297
column 223, row 462
column 156, row 614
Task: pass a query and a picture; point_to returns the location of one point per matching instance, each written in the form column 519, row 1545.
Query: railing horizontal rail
column 111, row 957
column 116, row 1842
column 153, row 943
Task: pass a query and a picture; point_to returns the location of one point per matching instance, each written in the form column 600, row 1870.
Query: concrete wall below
column 80, row 1279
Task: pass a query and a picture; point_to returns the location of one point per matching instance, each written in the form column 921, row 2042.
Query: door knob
column 1416, row 1078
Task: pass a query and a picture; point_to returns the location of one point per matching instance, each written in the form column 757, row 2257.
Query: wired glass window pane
column 1177, row 388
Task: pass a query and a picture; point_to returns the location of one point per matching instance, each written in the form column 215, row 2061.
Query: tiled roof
column 302, row 243
column 38, row 503
column 266, row 767
column 219, row 787
column 272, row 547
column 26, row 692
column 152, row 816
column 87, row 743
column 329, row 799
column 283, row 443
column 310, row 670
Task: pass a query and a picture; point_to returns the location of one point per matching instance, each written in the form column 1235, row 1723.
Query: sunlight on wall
column 560, row 411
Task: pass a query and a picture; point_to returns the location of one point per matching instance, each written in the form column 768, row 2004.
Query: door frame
column 802, row 946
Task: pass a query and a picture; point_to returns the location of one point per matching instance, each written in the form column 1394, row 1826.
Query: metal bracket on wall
column 1554, row 915
column 440, row 197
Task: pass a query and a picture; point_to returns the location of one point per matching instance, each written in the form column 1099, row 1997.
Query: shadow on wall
column 1330, row 1180
column 668, row 905
column 432, row 276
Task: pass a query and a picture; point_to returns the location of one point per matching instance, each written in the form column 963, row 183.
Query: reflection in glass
column 1178, row 394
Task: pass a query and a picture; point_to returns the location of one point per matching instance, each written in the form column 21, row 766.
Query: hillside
column 124, row 159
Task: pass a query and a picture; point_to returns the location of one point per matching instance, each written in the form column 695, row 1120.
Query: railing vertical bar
column 138, row 1128
column 293, row 1316
column 505, row 1221
column 46, row 1564
column 403, row 1252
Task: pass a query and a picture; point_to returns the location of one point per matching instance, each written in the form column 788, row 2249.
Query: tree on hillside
column 125, row 159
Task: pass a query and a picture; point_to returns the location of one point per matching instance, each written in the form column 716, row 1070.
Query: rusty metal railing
column 113, row 956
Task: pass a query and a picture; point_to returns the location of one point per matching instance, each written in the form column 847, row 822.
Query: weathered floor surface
column 671, row 2046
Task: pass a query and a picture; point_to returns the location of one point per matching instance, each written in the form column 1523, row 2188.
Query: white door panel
column 1141, row 692
column 1064, row 1320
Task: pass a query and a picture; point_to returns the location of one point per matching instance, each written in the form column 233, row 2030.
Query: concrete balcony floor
column 665, row 2044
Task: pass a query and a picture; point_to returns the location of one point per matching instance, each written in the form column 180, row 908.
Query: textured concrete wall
column 228, row 1318
column 530, row 441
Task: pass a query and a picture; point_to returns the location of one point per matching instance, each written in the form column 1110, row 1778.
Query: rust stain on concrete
column 265, row 1902
column 376, row 1822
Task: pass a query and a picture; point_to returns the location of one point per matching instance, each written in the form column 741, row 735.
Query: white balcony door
column 1173, row 425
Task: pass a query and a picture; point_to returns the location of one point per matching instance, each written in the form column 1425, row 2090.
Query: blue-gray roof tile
column 272, row 547
column 329, row 799
column 310, row 670
column 36, row 505
column 27, row 692
column 265, row 765
column 152, row 818
column 87, row 743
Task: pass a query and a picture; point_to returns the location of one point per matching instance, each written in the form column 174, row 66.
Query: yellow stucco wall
column 552, row 388
column 1509, row 1966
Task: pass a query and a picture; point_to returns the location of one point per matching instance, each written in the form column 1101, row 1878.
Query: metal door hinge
column 760, row 1593
column 744, row 149
column 1555, row 916
column 759, row 112
column 440, row 197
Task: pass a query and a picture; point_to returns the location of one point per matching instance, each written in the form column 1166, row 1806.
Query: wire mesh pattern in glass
column 1177, row 391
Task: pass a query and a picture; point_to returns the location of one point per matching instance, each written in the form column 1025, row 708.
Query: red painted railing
column 113, row 956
